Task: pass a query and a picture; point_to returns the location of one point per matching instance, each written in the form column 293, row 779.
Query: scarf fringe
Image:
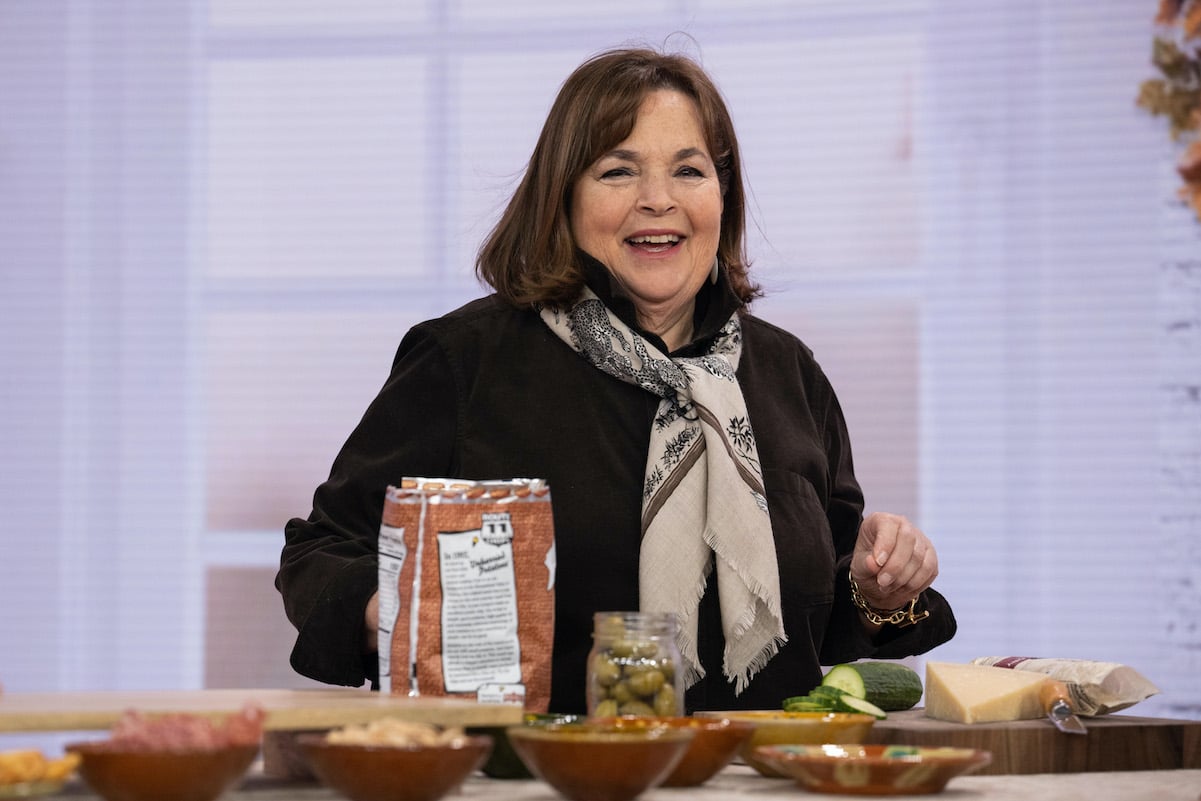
column 743, row 678
column 694, row 671
column 768, row 596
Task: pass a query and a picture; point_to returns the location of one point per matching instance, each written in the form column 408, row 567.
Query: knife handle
column 1052, row 692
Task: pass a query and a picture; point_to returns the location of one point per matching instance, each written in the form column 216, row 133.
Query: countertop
column 740, row 782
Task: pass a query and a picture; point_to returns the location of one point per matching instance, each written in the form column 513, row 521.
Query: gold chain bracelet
column 904, row 616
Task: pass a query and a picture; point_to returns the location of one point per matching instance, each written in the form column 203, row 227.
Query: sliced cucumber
column 849, row 703
column 826, row 691
column 807, row 705
column 846, row 678
column 889, row 685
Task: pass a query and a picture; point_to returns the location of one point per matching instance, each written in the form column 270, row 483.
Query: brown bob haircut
column 530, row 258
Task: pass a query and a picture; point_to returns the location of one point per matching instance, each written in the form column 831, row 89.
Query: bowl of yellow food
column 776, row 727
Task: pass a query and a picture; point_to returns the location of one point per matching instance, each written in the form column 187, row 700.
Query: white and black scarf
column 703, row 492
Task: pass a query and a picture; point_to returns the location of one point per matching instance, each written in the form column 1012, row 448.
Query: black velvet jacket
column 488, row 392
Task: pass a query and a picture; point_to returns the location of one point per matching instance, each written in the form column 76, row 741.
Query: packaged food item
column 467, row 576
column 1096, row 688
column 632, row 665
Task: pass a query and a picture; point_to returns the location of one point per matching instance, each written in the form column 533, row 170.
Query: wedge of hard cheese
column 981, row 693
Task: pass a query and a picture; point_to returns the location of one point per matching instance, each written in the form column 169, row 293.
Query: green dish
column 504, row 763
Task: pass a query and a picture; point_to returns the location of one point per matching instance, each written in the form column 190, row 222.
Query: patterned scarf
column 703, row 495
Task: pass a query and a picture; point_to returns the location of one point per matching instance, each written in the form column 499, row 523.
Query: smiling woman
column 697, row 456
column 650, row 211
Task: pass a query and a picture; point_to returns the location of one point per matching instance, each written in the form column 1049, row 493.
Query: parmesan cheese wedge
column 981, row 693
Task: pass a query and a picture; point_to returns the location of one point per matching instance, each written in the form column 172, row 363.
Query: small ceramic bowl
column 873, row 769
column 394, row 773
column 715, row 742
column 119, row 773
column 503, row 762
column 775, row 727
column 597, row 762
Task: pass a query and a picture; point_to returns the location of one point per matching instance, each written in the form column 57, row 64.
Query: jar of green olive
column 632, row 666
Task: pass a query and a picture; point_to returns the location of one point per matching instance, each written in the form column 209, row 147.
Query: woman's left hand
column 893, row 561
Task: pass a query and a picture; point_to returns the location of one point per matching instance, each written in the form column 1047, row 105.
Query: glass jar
column 632, row 665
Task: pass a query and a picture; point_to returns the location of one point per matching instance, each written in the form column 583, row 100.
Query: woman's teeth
column 656, row 242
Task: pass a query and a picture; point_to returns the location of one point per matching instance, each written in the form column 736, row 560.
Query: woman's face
column 650, row 209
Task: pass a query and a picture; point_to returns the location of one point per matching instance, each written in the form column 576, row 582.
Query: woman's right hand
column 371, row 620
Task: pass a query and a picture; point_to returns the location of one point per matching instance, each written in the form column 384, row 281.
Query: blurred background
column 218, row 218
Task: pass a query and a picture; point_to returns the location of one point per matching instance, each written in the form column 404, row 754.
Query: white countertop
column 740, row 782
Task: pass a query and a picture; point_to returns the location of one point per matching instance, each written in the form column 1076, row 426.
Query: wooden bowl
column 776, row 727
column 872, row 769
column 597, row 762
column 715, row 742
column 394, row 773
column 118, row 773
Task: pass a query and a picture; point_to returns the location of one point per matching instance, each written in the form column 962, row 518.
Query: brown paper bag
column 467, row 575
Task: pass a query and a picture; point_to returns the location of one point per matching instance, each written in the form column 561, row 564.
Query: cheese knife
column 1057, row 703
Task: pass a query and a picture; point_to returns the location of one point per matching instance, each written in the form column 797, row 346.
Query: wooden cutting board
column 286, row 709
column 1113, row 742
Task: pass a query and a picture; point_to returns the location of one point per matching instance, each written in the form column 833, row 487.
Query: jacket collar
column 715, row 304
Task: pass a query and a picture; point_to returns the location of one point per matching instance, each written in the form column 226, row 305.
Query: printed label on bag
column 479, row 606
column 392, row 553
column 501, row 694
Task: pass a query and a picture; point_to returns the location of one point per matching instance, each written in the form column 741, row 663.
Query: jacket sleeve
column 846, row 639
column 329, row 563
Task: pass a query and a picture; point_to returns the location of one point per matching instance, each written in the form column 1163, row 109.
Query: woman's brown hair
column 530, row 257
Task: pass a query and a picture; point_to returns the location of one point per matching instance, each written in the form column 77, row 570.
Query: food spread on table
column 998, row 703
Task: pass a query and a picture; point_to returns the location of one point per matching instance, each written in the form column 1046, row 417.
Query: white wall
column 204, row 205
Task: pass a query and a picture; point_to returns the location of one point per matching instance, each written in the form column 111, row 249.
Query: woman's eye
column 691, row 172
column 617, row 172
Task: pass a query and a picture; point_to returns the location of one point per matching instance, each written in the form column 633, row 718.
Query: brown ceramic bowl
column 715, row 742
column 503, row 762
column 394, row 773
column 872, row 769
column 776, row 727
column 200, row 774
column 598, row 762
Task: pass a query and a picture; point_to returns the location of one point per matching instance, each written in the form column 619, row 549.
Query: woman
column 697, row 457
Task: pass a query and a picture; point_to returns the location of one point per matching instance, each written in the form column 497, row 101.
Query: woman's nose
column 655, row 195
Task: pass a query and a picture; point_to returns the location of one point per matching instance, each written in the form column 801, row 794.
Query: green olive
column 612, row 627
column 622, row 692
column 665, row 701
column 606, row 709
column 646, row 683
column 605, row 671
column 639, row 708
column 646, row 650
column 622, row 648
column 631, row 669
